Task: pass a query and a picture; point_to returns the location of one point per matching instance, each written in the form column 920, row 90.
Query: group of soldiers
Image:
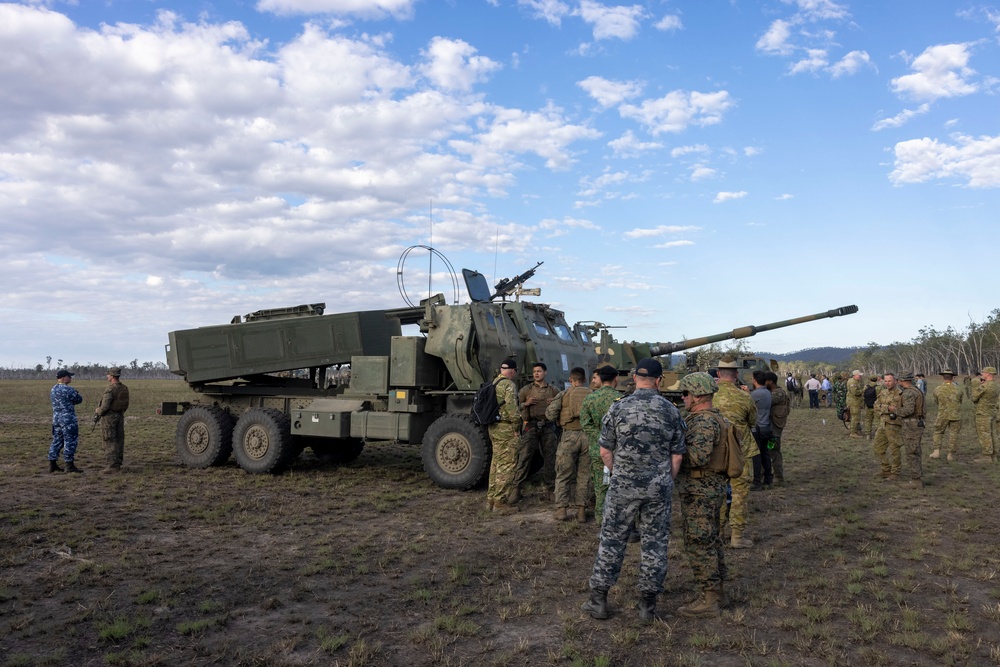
column 110, row 413
column 630, row 449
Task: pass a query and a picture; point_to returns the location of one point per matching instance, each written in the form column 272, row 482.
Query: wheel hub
column 197, row 438
column 255, row 442
column 454, row 453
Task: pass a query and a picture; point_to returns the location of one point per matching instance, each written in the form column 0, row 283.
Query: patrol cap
column 64, row 374
column 989, row 369
column 509, row 363
column 116, row 372
column 607, row 373
column 946, row 371
column 905, row 376
column 649, row 368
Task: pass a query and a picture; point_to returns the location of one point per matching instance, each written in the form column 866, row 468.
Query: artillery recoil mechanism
column 277, row 381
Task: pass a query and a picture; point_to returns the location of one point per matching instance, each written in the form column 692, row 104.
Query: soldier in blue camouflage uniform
column 702, row 493
column 642, row 443
column 65, row 432
column 592, row 412
column 503, row 436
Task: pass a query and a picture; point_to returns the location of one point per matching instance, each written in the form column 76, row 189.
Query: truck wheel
column 455, row 452
column 204, row 436
column 337, row 451
column 262, row 440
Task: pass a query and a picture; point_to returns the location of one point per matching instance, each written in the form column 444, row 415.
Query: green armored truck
column 274, row 382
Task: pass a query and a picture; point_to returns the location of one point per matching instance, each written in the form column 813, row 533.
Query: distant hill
column 829, row 355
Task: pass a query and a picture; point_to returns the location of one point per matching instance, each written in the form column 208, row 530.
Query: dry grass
column 370, row 564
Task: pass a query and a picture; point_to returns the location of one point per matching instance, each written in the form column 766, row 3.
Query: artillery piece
column 266, row 377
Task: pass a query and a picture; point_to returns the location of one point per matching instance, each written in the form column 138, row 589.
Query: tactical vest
column 569, row 416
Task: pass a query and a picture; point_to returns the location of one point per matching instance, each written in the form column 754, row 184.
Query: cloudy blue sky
column 682, row 168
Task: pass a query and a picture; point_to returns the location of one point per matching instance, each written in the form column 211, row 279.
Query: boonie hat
column 990, row 370
column 855, row 372
column 64, row 374
column 650, row 368
column 116, row 372
column 727, row 362
column 946, row 371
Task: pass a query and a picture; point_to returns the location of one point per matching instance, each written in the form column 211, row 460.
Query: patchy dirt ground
column 370, row 564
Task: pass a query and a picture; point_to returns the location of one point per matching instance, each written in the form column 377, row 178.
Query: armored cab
column 277, row 381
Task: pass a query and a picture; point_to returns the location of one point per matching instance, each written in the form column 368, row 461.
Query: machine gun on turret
column 508, row 286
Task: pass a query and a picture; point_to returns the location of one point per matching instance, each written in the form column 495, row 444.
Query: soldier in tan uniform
column 503, row 436
column 948, row 397
column 869, row 423
column 985, row 396
column 856, row 402
column 737, row 406
column 889, row 435
column 111, row 414
column 911, row 416
column 573, row 454
column 538, row 434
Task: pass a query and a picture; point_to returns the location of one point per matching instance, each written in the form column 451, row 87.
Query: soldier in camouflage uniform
column 888, row 437
column 702, row 493
column 65, row 430
column 111, row 414
column 538, row 434
column 592, row 412
column 503, row 435
column 642, row 443
column 737, row 406
column 869, row 424
column 948, row 397
column 855, row 402
column 985, row 396
column 839, row 395
column 780, row 407
column 573, row 455
column 911, row 414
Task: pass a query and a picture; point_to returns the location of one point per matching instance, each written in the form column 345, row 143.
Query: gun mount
column 279, row 380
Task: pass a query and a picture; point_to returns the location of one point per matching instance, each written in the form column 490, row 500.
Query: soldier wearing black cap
column 65, row 430
column 642, row 443
column 503, row 435
column 111, row 414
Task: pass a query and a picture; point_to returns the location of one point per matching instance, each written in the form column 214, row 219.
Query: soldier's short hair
column 539, row 364
column 578, row 374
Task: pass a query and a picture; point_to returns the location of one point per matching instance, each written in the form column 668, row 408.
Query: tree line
column 147, row 370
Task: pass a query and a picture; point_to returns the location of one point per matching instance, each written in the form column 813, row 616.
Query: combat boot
column 514, row 497
column 737, row 541
column 71, row 467
column 500, row 507
column 856, row 436
column 951, row 457
column 489, row 504
column 985, row 458
column 914, row 484
column 706, row 605
column 54, row 466
column 581, row 515
column 597, row 605
column 936, row 454
column 560, row 514
column 647, row 607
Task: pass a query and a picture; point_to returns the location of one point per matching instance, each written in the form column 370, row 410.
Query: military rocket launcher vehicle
column 270, row 385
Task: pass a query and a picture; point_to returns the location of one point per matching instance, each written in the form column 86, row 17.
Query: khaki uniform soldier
column 948, row 424
column 111, row 414
column 888, row 438
column 573, row 454
column 869, row 423
column 702, row 493
column 856, row 402
column 911, row 414
column 592, row 412
column 780, row 407
column 503, row 435
column 985, row 396
column 538, row 434
column 737, row 406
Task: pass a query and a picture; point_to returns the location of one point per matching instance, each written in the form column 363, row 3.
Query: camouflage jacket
column 780, row 406
column 565, row 407
column 855, row 392
column 594, row 408
column 507, row 400
column 63, row 398
column 911, row 403
column 114, row 399
column 985, row 397
column 949, row 397
column 544, row 393
column 888, row 402
column 704, row 430
column 839, row 395
column 643, row 431
column 737, row 406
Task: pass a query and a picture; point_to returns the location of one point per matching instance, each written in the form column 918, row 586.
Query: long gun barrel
column 746, row 332
column 508, row 286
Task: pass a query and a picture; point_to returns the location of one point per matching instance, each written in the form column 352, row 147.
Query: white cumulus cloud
column 452, row 64
column 679, row 109
column 611, row 22
column 729, row 196
column 974, row 160
column 940, row 71
column 609, row 93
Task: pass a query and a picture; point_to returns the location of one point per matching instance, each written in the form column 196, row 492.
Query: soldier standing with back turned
column 948, row 424
column 111, row 414
column 503, row 436
column 985, row 396
column 911, row 414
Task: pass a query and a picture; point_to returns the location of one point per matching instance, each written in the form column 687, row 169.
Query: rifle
column 508, row 286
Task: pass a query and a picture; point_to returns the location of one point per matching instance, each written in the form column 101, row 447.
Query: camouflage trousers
column 856, row 408
column 504, row 461
column 597, row 472
column 540, row 440
column 887, row 447
column 777, row 459
column 947, row 429
column 868, row 425
column 702, row 501
column 113, row 431
column 654, row 531
column 741, row 496
column 986, row 427
column 65, row 437
column 911, row 434
column 573, row 470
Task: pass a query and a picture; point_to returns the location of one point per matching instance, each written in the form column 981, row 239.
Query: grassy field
column 371, row 564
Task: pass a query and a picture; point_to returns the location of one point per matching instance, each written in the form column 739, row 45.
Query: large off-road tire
column 204, row 436
column 262, row 441
column 456, row 452
column 336, row 451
